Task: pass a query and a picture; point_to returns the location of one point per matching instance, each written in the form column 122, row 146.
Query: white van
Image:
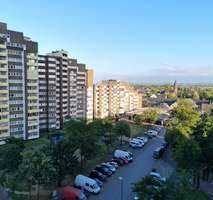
column 87, row 184
column 123, row 154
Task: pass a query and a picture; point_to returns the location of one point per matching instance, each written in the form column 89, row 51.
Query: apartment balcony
column 33, row 123
column 33, row 111
column 4, row 113
column 33, row 117
column 32, row 84
column 33, row 130
column 3, row 76
column 4, row 105
column 32, row 104
column 32, row 91
column 32, row 74
column 34, row 135
column 3, row 62
column 6, row 132
column 3, row 53
column 4, row 91
column 32, row 98
column 4, row 121
column 3, row 84
column 3, row 46
column 4, row 98
column 31, row 64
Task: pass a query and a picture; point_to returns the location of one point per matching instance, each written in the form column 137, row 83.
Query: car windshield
column 105, row 169
column 156, row 175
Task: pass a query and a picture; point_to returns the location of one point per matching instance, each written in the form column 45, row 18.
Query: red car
column 70, row 193
column 125, row 160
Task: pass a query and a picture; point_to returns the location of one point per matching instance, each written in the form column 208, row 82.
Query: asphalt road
column 131, row 173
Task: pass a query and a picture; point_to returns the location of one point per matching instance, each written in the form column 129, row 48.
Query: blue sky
column 138, row 40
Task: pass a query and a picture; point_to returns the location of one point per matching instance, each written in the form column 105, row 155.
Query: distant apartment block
column 19, row 104
column 64, row 90
column 114, row 97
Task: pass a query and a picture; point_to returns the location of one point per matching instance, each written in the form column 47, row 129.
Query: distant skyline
column 139, row 41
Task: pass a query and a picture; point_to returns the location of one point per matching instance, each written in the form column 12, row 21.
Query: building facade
column 63, row 92
column 47, row 92
column 90, row 95
column 39, row 92
column 114, row 97
column 19, row 106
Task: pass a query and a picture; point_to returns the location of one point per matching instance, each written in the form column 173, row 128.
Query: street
column 133, row 172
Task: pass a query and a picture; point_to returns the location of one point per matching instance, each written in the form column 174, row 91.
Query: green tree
column 121, row 129
column 107, row 131
column 138, row 119
column 186, row 113
column 64, row 159
column 171, row 96
column 195, row 95
column 187, row 154
column 84, row 137
column 149, row 115
column 10, row 157
column 203, row 134
column 149, row 188
column 36, row 168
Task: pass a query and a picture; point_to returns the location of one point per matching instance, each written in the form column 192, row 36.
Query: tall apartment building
column 113, row 97
column 47, row 92
column 18, row 85
column 90, row 95
column 63, row 84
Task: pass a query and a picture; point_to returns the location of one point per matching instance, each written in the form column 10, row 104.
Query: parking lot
column 141, row 166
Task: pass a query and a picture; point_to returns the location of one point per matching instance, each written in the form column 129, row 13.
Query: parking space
column 120, row 184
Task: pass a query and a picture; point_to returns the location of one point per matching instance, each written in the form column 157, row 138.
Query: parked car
column 123, row 155
column 110, row 167
column 156, row 128
column 135, row 144
column 125, row 160
column 113, row 164
column 104, row 170
column 153, row 132
column 68, row 193
column 165, row 145
column 147, row 134
column 144, row 139
column 96, row 174
column 119, row 161
column 157, row 176
column 158, row 153
column 130, row 153
column 87, row 184
column 138, row 140
column 100, row 183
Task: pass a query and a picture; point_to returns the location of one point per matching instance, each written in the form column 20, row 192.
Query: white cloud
column 170, row 70
column 165, row 74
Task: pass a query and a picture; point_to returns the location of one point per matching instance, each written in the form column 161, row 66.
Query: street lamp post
column 121, row 179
